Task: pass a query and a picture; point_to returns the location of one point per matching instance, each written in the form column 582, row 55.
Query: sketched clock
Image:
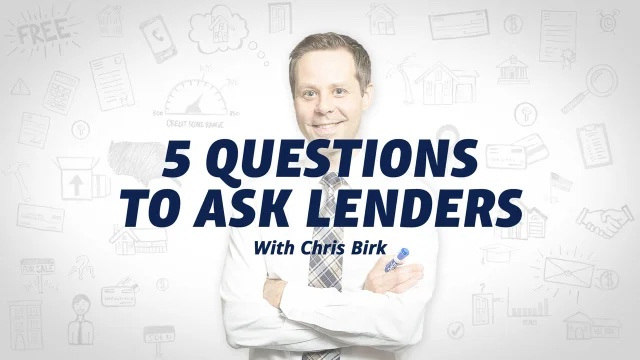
column 195, row 97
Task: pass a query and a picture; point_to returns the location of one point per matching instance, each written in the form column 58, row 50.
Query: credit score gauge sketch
column 195, row 97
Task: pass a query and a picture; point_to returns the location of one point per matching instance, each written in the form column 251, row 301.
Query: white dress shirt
column 364, row 324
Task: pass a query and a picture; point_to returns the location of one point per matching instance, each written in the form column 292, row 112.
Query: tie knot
column 331, row 181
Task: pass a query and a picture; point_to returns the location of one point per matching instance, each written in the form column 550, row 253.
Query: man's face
column 327, row 97
column 81, row 307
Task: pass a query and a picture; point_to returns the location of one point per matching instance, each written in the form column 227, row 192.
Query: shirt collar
column 354, row 180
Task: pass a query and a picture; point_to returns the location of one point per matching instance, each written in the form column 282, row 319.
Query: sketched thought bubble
column 219, row 30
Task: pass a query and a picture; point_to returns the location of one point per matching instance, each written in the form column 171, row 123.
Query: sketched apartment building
column 442, row 86
column 110, row 21
column 131, row 241
column 513, row 71
column 26, row 325
column 532, row 225
column 220, row 27
column 582, row 327
column 381, row 20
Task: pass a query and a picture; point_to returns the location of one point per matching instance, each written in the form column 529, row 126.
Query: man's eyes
column 340, row 91
column 309, row 94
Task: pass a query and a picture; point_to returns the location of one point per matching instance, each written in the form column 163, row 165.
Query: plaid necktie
column 325, row 271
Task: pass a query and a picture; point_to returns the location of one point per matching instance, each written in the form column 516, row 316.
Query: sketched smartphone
column 158, row 38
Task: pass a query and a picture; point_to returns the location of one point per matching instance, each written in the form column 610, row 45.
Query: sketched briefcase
column 568, row 272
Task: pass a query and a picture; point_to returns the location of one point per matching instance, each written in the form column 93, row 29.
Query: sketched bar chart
column 540, row 310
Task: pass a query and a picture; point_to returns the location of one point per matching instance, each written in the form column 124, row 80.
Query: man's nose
column 325, row 105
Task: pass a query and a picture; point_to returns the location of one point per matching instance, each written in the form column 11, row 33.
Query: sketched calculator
column 158, row 38
column 60, row 92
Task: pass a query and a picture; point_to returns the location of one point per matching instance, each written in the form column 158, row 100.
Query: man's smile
column 327, row 128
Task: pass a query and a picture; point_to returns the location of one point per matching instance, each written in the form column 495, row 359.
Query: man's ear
column 367, row 97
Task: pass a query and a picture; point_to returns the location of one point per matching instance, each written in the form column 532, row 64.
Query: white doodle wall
column 91, row 91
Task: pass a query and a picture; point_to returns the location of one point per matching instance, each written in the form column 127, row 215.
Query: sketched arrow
column 76, row 182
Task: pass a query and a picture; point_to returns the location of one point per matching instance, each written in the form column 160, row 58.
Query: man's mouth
column 326, row 128
column 327, row 125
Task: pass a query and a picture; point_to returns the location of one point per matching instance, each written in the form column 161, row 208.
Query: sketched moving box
column 116, row 296
column 78, row 181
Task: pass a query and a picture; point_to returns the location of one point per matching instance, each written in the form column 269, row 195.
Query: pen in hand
column 403, row 253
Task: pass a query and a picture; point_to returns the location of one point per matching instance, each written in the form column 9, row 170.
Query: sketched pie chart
column 195, row 97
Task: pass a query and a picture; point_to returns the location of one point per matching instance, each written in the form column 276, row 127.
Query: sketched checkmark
column 456, row 330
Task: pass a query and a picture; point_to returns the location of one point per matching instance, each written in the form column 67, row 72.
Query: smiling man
column 328, row 304
column 331, row 87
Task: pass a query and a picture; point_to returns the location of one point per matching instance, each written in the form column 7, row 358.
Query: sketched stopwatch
column 608, row 21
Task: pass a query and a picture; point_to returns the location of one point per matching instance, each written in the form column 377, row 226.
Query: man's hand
column 399, row 280
column 272, row 291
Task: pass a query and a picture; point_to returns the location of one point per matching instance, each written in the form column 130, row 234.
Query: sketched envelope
column 568, row 272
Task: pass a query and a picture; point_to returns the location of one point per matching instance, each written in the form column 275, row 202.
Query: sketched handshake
column 605, row 223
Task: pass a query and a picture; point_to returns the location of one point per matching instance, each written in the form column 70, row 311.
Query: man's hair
column 332, row 41
column 80, row 297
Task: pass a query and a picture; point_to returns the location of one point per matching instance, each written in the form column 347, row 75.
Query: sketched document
column 594, row 146
column 459, row 25
column 34, row 130
column 557, row 35
column 112, row 82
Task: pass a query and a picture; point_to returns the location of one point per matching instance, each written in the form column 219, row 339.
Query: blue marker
column 404, row 252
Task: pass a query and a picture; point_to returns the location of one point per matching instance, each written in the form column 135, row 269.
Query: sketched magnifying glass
column 602, row 81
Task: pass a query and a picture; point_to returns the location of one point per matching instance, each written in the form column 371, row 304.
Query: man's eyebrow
column 333, row 85
column 305, row 85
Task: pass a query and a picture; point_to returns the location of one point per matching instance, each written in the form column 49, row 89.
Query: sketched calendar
column 112, row 82
column 594, row 146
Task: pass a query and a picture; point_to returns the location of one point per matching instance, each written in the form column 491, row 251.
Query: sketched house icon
column 131, row 241
column 582, row 327
column 513, row 71
column 381, row 20
column 442, row 86
column 533, row 224
column 220, row 27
